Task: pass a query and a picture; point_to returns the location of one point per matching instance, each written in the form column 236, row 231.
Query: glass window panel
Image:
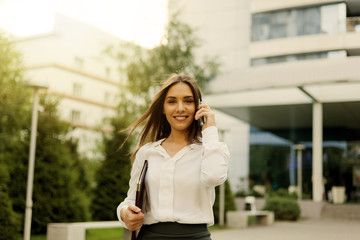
column 258, row 61
column 295, row 24
column 337, row 54
column 260, row 27
column 327, row 19
column 312, row 21
column 277, row 59
column 279, row 24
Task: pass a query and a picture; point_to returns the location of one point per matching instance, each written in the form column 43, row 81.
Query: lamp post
column 30, row 180
column 222, row 191
column 299, row 148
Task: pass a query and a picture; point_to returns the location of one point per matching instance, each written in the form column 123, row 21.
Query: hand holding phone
column 202, row 120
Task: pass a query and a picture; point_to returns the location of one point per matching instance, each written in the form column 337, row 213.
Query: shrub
column 284, row 208
column 281, row 192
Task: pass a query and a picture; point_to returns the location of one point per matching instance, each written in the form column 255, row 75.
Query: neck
column 178, row 137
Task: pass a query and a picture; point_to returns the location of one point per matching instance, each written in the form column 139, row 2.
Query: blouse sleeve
column 135, row 173
column 214, row 166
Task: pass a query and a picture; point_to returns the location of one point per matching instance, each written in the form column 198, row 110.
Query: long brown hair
column 156, row 126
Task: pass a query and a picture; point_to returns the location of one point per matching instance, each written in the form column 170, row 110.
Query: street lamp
column 222, row 191
column 299, row 148
column 30, row 180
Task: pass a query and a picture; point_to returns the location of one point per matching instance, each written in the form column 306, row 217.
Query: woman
column 186, row 162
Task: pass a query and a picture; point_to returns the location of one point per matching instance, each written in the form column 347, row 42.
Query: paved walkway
column 300, row 230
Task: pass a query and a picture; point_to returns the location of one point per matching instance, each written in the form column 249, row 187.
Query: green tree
column 9, row 220
column 14, row 116
column 145, row 69
column 113, row 176
column 59, row 193
column 60, row 182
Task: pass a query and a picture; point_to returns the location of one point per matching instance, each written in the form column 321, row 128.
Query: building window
column 77, row 89
column 107, row 72
column 326, row 19
column 75, row 116
column 79, row 63
column 107, row 97
column 298, row 57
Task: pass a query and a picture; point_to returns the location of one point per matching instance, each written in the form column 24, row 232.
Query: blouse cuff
column 118, row 215
column 210, row 136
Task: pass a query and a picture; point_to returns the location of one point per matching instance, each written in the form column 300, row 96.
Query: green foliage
column 105, row 234
column 59, row 193
column 9, row 220
column 113, row 176
column 284, row 193
column 284, row 208
column 146, row 68
column 60, row 181
column 251, row 192
column 268, row 166
column 14, row 116
column 229, row 201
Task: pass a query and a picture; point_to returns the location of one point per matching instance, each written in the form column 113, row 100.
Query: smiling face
column 179, row 107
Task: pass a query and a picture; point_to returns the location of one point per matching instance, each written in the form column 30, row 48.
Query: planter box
column 338, row 194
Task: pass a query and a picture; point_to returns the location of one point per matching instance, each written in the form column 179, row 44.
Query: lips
column 180, row 118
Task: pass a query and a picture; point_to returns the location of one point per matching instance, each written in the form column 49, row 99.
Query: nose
column 180, row 106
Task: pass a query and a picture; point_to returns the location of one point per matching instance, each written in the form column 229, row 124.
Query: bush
column 284, row 208
column 281, row 192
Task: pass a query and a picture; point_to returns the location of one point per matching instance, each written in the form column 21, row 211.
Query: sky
column 141, row 21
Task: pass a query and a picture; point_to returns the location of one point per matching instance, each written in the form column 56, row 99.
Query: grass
column 92, row 234
column 105, row 234
column 38, row 237
column 216, row 227
column 33, row 237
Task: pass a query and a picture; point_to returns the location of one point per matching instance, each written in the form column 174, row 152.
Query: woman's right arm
column 132, row 217
column 128, row 214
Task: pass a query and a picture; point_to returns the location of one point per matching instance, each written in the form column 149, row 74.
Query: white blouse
column 180, row 188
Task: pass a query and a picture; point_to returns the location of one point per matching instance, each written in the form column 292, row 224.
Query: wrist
column 122, row 213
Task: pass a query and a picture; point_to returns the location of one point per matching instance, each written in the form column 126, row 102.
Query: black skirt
column 173, row 230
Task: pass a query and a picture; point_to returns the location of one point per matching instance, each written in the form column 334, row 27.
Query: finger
column 201, row 113
column 134, row 208
column 136, row 218
column 136, row 221
column 203, row 105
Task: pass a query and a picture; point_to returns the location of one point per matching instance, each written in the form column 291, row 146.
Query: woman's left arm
column 214, row 166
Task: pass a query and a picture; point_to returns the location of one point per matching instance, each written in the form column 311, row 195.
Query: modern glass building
column 291, row 72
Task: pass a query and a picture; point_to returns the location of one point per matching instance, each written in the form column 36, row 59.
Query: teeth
column 180, row 118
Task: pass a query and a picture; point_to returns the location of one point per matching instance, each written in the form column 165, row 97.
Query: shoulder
column 149, row 147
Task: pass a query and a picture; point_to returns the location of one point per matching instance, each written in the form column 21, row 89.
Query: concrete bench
column 239, row 219
column 76, row 230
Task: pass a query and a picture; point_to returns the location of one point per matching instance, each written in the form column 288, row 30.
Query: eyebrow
column 186, row 97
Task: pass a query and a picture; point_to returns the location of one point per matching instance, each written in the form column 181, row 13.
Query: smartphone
column 201, row 120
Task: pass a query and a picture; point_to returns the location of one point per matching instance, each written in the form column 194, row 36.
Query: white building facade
column 290, row 72
column 72, row 62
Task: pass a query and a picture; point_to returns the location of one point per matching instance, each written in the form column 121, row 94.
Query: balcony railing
column 353, row 24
